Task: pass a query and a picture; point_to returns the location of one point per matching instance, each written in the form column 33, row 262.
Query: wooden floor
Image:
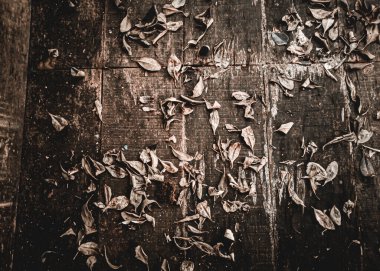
column 275, row 234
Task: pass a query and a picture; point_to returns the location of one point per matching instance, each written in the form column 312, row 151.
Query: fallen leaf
column 76, row 73
column 364, row 136
column 366, row 167
column 229, row 235
column 117, row 203
column 187, row 266
column 149, row 64
column 178, row 3
column 320, row 14
column 91, row 261
column 348, row 207
column 59, row 123
column 112, row 266
column 141, row 255
column 181, row 155
column 204, row 210
column 233, row 152
column 125, row 24
column 351, row 88
column 331, row 171
column 165, row 265
column 249, row 137
column 214, row 120
column 116, row 172
column 323, row 220
column 89, row 248
column 88, row 219
column 335, row 215
column 99, row 109
column 284, row 128
column 198, row 88
column 348, row 137
column 174, row 67
column 169, row 166
column 240, row 95
column 280, row 38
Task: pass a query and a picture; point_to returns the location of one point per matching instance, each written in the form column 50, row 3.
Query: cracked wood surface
column 275, row 234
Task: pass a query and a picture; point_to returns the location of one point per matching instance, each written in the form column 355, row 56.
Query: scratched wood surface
column 275, row 234
column 14, row 40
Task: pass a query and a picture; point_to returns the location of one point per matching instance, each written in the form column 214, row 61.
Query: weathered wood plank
column 43, row 207
column 14, row 18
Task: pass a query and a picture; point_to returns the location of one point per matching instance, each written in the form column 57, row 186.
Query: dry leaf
column 88, row 219
column 351, row 88
column 89, row 248
column 233, row 152
column 348, row 137
column 366, row 167
column 187, row 266
column 76, row 73
column 188, row 218
column 316, row 171
column 178, row 3
column 68, row 232
column 198, row 88
column 348, row 207
column 364, row 136
column 233, row 206
column 141, row 255
column 204, row 210
column 195, row 230
column 149, row 64
column 280, row 38
column 229, row 235
column 293, row 195
column 331, row 171
column 59, row 123
column 169, row 166
column 284, row 128
column 112, row 266
column 286, row 82
column 323, row 220
column 87, row 167
column 206, row 248
column 214, row 120
column 232, row 128
column 99, row 168
column 249, row 137
column 335, row 215
column 174, row 67
column 117, row 203
column 320, row 14
column 181, row 155
column 125, row 24
column 90, row 262
column 240, row 95
column 116, row 172
column 165, row 265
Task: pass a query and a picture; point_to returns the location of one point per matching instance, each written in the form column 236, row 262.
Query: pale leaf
column 249, row 137
column 240, row 95
column 181, row 155
column 331, row 171
column 59, row 123
column 117, row 203
column 149, row 64
column 89, row 248
column 198, row 88
column 141, row 255
column 204, row 210
column 187, row 266
column 214, row 120
column 284, row 128
column 335, row 215
column 324, row 220
column 112, row 266
column 233, row 152
column 178, row 3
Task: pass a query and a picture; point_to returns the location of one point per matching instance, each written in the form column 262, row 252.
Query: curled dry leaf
column 68, row 232
column 88, row 219
column 125, row 24
column 335, row 215
column 240, row 95
column 348, row 138
column 141, row 255
column 316, row 171
column 233, row 152
column 206, row 248
column 364, row 136
column 91, row 261
column 320, row 14
column 174, row 67
column 214, row 120
column 165, row 265
column 351, row 88
column 293, row 195
column 117, row 203
column 366, row 167
column 198, row 88
column 76, row 73
column 348, row 207
column 249, row 137
column 280, row 38
column 181, row 155
column 99, row 167
column 178, row 3
column 233, row 206
column 112, row 266
column 116, row 172
column 195, row 230
column 87, row 167
column 204, row 210
column 331, row 171
column 324, row 220
column 229, row 235
column 284, row 128
column 169, row 166
column 187, row 266
column 232, row 128
column 149, row 64
column 286, row 82
column 89, row 248
column 59, row 123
